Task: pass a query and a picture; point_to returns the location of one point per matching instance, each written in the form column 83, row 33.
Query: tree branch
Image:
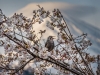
column 35, row 56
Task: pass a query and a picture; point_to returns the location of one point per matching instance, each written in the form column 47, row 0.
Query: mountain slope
column 72, row 14
column 78, row 26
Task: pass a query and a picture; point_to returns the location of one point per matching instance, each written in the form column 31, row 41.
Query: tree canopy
column 23, row 45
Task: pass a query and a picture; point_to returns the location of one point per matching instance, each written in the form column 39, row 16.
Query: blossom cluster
column 21, row 44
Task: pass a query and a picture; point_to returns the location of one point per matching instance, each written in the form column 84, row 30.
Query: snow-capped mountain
column 72, row 14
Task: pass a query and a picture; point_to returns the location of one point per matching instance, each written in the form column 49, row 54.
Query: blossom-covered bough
column 22, row 44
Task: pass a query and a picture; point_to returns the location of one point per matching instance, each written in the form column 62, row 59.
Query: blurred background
column 81, row 16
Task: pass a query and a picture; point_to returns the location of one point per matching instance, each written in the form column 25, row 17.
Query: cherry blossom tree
column 23, row 45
